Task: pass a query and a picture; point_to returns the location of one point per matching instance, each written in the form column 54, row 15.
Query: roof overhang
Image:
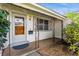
column 40, row 9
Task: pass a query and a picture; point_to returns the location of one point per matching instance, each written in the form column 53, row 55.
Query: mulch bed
column 55, row 49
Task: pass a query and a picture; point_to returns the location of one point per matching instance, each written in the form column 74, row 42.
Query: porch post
column 54, row 29
column 36, row 34
column 62, row 29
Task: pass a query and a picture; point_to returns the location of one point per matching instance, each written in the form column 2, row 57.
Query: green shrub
column 4, row 27
column 72, row 32
column 72, row 47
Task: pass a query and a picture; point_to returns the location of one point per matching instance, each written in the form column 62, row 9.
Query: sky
column 62, row 8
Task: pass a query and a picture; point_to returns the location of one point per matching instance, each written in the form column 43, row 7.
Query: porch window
column 42, row 24
column 45, row 24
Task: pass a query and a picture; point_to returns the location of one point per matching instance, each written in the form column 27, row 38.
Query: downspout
column 38, row 33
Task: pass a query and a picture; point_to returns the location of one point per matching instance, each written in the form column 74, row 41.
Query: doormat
column 21, row 46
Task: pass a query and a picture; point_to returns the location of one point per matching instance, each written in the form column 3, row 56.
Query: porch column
column 36, row 33
column 62, row 30
column 53, row 28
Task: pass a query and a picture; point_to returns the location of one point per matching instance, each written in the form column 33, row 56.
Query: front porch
column 35, row 26
column 47, row 47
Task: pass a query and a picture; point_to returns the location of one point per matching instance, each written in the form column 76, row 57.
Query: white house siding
column 45, row 34
column 29, row 23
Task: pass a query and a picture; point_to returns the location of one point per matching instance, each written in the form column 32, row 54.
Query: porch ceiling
column 40, row 9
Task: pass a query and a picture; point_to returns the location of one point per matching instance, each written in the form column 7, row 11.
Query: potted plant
column 4, row 28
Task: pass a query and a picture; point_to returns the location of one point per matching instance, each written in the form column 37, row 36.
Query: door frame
column 13, row 29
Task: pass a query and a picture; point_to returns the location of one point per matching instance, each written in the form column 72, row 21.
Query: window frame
column 38, row 24
column 19, row 25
